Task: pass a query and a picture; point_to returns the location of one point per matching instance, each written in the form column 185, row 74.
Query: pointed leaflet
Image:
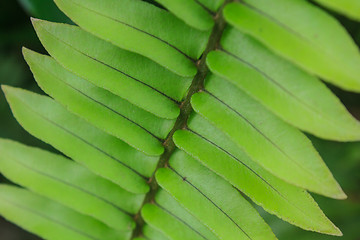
column 168, row 203
column 350, row 8
column 212, row 200
column 217, row 152
column 125, row 23
column 317, row 43
column 278, row 147
column 101, row 153
column 125, row 74
column 168, row 224
column 158, row 126
column 51, row 220
column 292, row 94
column 66, row 182
column 98, row 106
column 190, row 12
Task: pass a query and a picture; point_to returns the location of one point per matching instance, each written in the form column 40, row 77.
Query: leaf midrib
column 133, row 27
column 213, row 203
column 112, row 67
column 56, row 221
column 84, row 140
column 69, row 184
column 99, row 102
column 282, row 88
column 268, row 139
column 293, row 32
column 181, row 220
column 256, row 174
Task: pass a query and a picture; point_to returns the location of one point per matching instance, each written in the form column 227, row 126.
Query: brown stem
column 185, row 111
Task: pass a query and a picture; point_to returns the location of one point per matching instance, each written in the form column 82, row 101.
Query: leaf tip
column 10, row 93
column 6, row 89
column 341, row 195
column 334, row 190
column 26, row 52
column 35, row 21
column 336, row 232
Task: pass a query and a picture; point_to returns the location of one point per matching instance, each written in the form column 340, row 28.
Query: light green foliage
column 99, row 63
column 223, row 209
column 45, row 118
column 97, row 106
column 67, row 182
column 217, row 152
column 52, row 220
column 126, row 24
column 239, row 117
column 350, row 8
column 294, row 95
column 168, row 224
column 152, row 234
column 168, row 203
column 190, row 12
column 317, row 43
column 175, row 120
column 212, row 5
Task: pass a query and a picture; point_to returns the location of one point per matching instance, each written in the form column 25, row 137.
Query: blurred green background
column 343, row 159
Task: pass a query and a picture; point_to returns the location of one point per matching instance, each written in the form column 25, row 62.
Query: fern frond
column 64, row 181
column 317, row 43
column 173, row 117
column 350, row 8
column 50, row 219
column 294, row 95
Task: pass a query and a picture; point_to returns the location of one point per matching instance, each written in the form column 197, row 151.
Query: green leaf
column 284, row 151
column 168, row 224
column 168, row 203
column 317, row 43
column 51, row 220
column 216, row 151
column 125, row 74
column 212, row 5
column 350, row 8
column 66, row 182
column 125, row 23
column 211, row 200
column 152, row 234
column 190, row 12
column 103, row 154
column 98, row 106
column 294, row 95
column 172, row 116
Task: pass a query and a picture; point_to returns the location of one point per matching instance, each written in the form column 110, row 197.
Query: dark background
column 343, row 159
